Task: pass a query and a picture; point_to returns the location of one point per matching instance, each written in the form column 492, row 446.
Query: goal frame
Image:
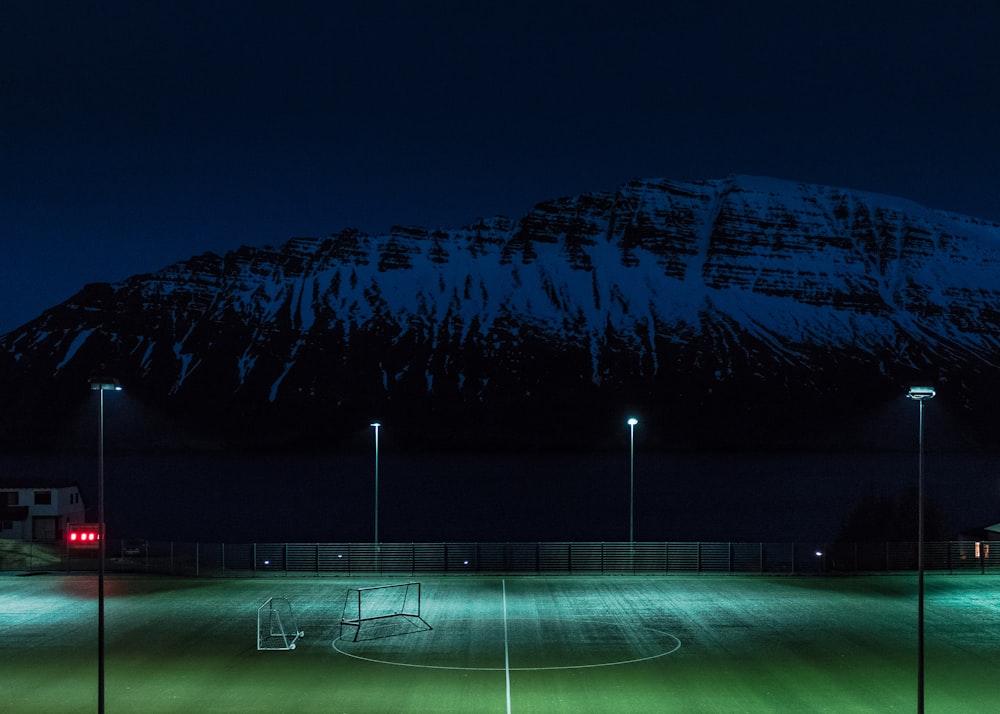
column 277, row 628
column 354, row 607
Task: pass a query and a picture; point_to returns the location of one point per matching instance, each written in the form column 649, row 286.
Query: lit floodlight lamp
column 107, row 384
column 921, row 393
column 632, row 421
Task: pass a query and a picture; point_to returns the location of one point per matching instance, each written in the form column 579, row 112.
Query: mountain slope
column 743, row 311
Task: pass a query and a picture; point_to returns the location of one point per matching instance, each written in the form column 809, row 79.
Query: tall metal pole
column 100, row 385
column 376, row 425
column 631, row 484
column 920, row 564
column 100, row 552
column 920, row 394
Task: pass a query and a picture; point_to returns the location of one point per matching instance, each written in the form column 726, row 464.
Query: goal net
column 382, row 602
column 276, row 626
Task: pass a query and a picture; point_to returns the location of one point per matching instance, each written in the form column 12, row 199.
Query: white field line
column 506, row 645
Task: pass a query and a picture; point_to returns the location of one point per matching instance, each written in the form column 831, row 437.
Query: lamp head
column 921, row 393
column 109, row 384
column 375, row 424
column 632, row 421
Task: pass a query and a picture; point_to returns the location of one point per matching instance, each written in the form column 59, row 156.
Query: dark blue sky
column 135, row 134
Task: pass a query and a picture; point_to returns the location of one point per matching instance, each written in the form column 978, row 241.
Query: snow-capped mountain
column 738, row 311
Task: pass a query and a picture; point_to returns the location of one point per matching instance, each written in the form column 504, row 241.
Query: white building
column 37, row 509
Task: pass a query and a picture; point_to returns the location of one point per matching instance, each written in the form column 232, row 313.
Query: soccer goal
column 382, row 602
column 276, row 626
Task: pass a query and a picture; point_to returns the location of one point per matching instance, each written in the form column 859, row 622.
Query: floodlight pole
column 631, row 484
column 921, row 395
column 376, row 426
column 100, row 386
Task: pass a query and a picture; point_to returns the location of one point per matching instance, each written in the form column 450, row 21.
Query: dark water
column 551, row 497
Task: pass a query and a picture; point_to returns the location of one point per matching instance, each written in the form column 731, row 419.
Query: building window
column 6, row 525
column 8, row 498
column 43, row 498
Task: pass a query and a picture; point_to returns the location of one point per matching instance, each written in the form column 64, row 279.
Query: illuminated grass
column 567, row 644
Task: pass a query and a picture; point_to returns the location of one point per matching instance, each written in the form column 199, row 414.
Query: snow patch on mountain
column 78, row 340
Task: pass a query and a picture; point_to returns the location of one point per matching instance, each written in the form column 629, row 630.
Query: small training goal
column 276, row 626
column 380, row 603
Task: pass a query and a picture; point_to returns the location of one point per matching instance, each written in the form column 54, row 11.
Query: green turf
column 564, row 644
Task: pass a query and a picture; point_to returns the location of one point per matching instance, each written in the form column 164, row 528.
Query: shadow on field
column 84, row 587
column 382, row 629
column 889, row 586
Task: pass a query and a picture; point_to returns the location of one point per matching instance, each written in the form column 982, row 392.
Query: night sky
column 135, row 134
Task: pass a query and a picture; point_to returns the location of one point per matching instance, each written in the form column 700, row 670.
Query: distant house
column 38, row 509
column 981, row 533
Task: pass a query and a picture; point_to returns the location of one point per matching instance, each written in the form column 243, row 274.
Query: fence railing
column 660, row 558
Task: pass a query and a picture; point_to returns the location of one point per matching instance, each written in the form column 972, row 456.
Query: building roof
column 34, row 481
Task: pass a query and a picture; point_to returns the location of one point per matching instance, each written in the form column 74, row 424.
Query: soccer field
column 506, row 644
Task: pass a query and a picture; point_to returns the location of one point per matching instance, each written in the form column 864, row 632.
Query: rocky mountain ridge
column 738, row 312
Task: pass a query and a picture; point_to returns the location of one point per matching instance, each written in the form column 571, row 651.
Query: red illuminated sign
column 84, row 535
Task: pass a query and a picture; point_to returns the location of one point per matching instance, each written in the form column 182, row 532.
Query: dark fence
column 302, row 559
